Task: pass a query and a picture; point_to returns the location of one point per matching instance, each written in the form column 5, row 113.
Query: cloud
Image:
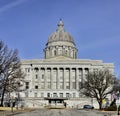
column 11, row 5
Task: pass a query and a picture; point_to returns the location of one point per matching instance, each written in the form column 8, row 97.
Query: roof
column 60, row 35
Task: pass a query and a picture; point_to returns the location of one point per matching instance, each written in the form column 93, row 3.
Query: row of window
column 54, row 95
column 55, row 77
column 60, row 51
column 54, row 85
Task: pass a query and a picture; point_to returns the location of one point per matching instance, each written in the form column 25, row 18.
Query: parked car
column 88, row 107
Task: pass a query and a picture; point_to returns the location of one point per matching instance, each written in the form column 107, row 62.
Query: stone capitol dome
column 60, row 43
column 59, row 77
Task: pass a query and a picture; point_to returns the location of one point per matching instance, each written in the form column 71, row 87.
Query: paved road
column 62, row 112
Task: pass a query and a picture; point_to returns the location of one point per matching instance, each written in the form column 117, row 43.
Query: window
column 35, row 94
column 61, row 78
column 67, row 85
column 36, row 76
column 80, row 95
column 79, row 76
column 67, row 95
column 48, row 94
column 80, row 71
column 54, row 85
column 60, row 51
column 48, row 73
column 86, row 72
column 75, row 55
column 66, row 52
column 55, row 95
column 48, row 76
column 42, row 85
column 55, row 52
column 27, row 70
column 73, row 78
column 73, row 85
column 42, row 94
column 61, row 85
column 42, row 76
column 74, row 94
column 36, row 86
column 27, row 85
column 48, row 85
column 80, row 85
column 61, row 95
column 26, row 94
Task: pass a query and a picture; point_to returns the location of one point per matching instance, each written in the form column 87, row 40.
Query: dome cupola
column 60, row 35
column 60, row 43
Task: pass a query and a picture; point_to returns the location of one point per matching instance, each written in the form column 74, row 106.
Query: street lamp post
column 92, row 101
column 12, row 104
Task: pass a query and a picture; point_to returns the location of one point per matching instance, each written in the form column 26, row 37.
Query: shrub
column 112, row 108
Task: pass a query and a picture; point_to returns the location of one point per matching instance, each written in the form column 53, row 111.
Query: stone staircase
column 55, row 106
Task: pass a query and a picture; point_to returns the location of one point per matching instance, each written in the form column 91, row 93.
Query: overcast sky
column 94, row 25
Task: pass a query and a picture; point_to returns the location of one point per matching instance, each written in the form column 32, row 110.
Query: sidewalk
column 8, row 112
column 115, row 114
column 111, row 113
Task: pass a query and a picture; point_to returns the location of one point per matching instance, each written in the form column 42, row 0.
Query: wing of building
column 59, row 76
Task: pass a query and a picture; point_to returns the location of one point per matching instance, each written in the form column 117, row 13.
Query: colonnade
column 59, row 78
column 60, row 50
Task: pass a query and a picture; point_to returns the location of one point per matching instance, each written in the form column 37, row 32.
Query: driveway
column 63, row 112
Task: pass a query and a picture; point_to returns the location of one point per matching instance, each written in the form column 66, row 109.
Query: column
column 46, row 52
column 51, row 78
column 39, row 77
column 45, row 74
column 83, row 75
column 77, row 79
column 70, row 78
column 64, row 78
column 50, row 52
column 58, row 79
column 33, row 78
column 73, row 54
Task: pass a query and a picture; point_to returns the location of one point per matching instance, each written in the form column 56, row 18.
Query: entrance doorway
column 56, row 102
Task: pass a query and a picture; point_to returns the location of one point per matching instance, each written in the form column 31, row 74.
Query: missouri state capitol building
column 59, row 76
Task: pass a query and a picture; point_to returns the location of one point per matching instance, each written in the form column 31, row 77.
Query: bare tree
column 10, row 70
column 116, row 85
column 116, row 88
column 98, row 84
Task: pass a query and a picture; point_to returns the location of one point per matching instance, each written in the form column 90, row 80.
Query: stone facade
column 60, row 74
